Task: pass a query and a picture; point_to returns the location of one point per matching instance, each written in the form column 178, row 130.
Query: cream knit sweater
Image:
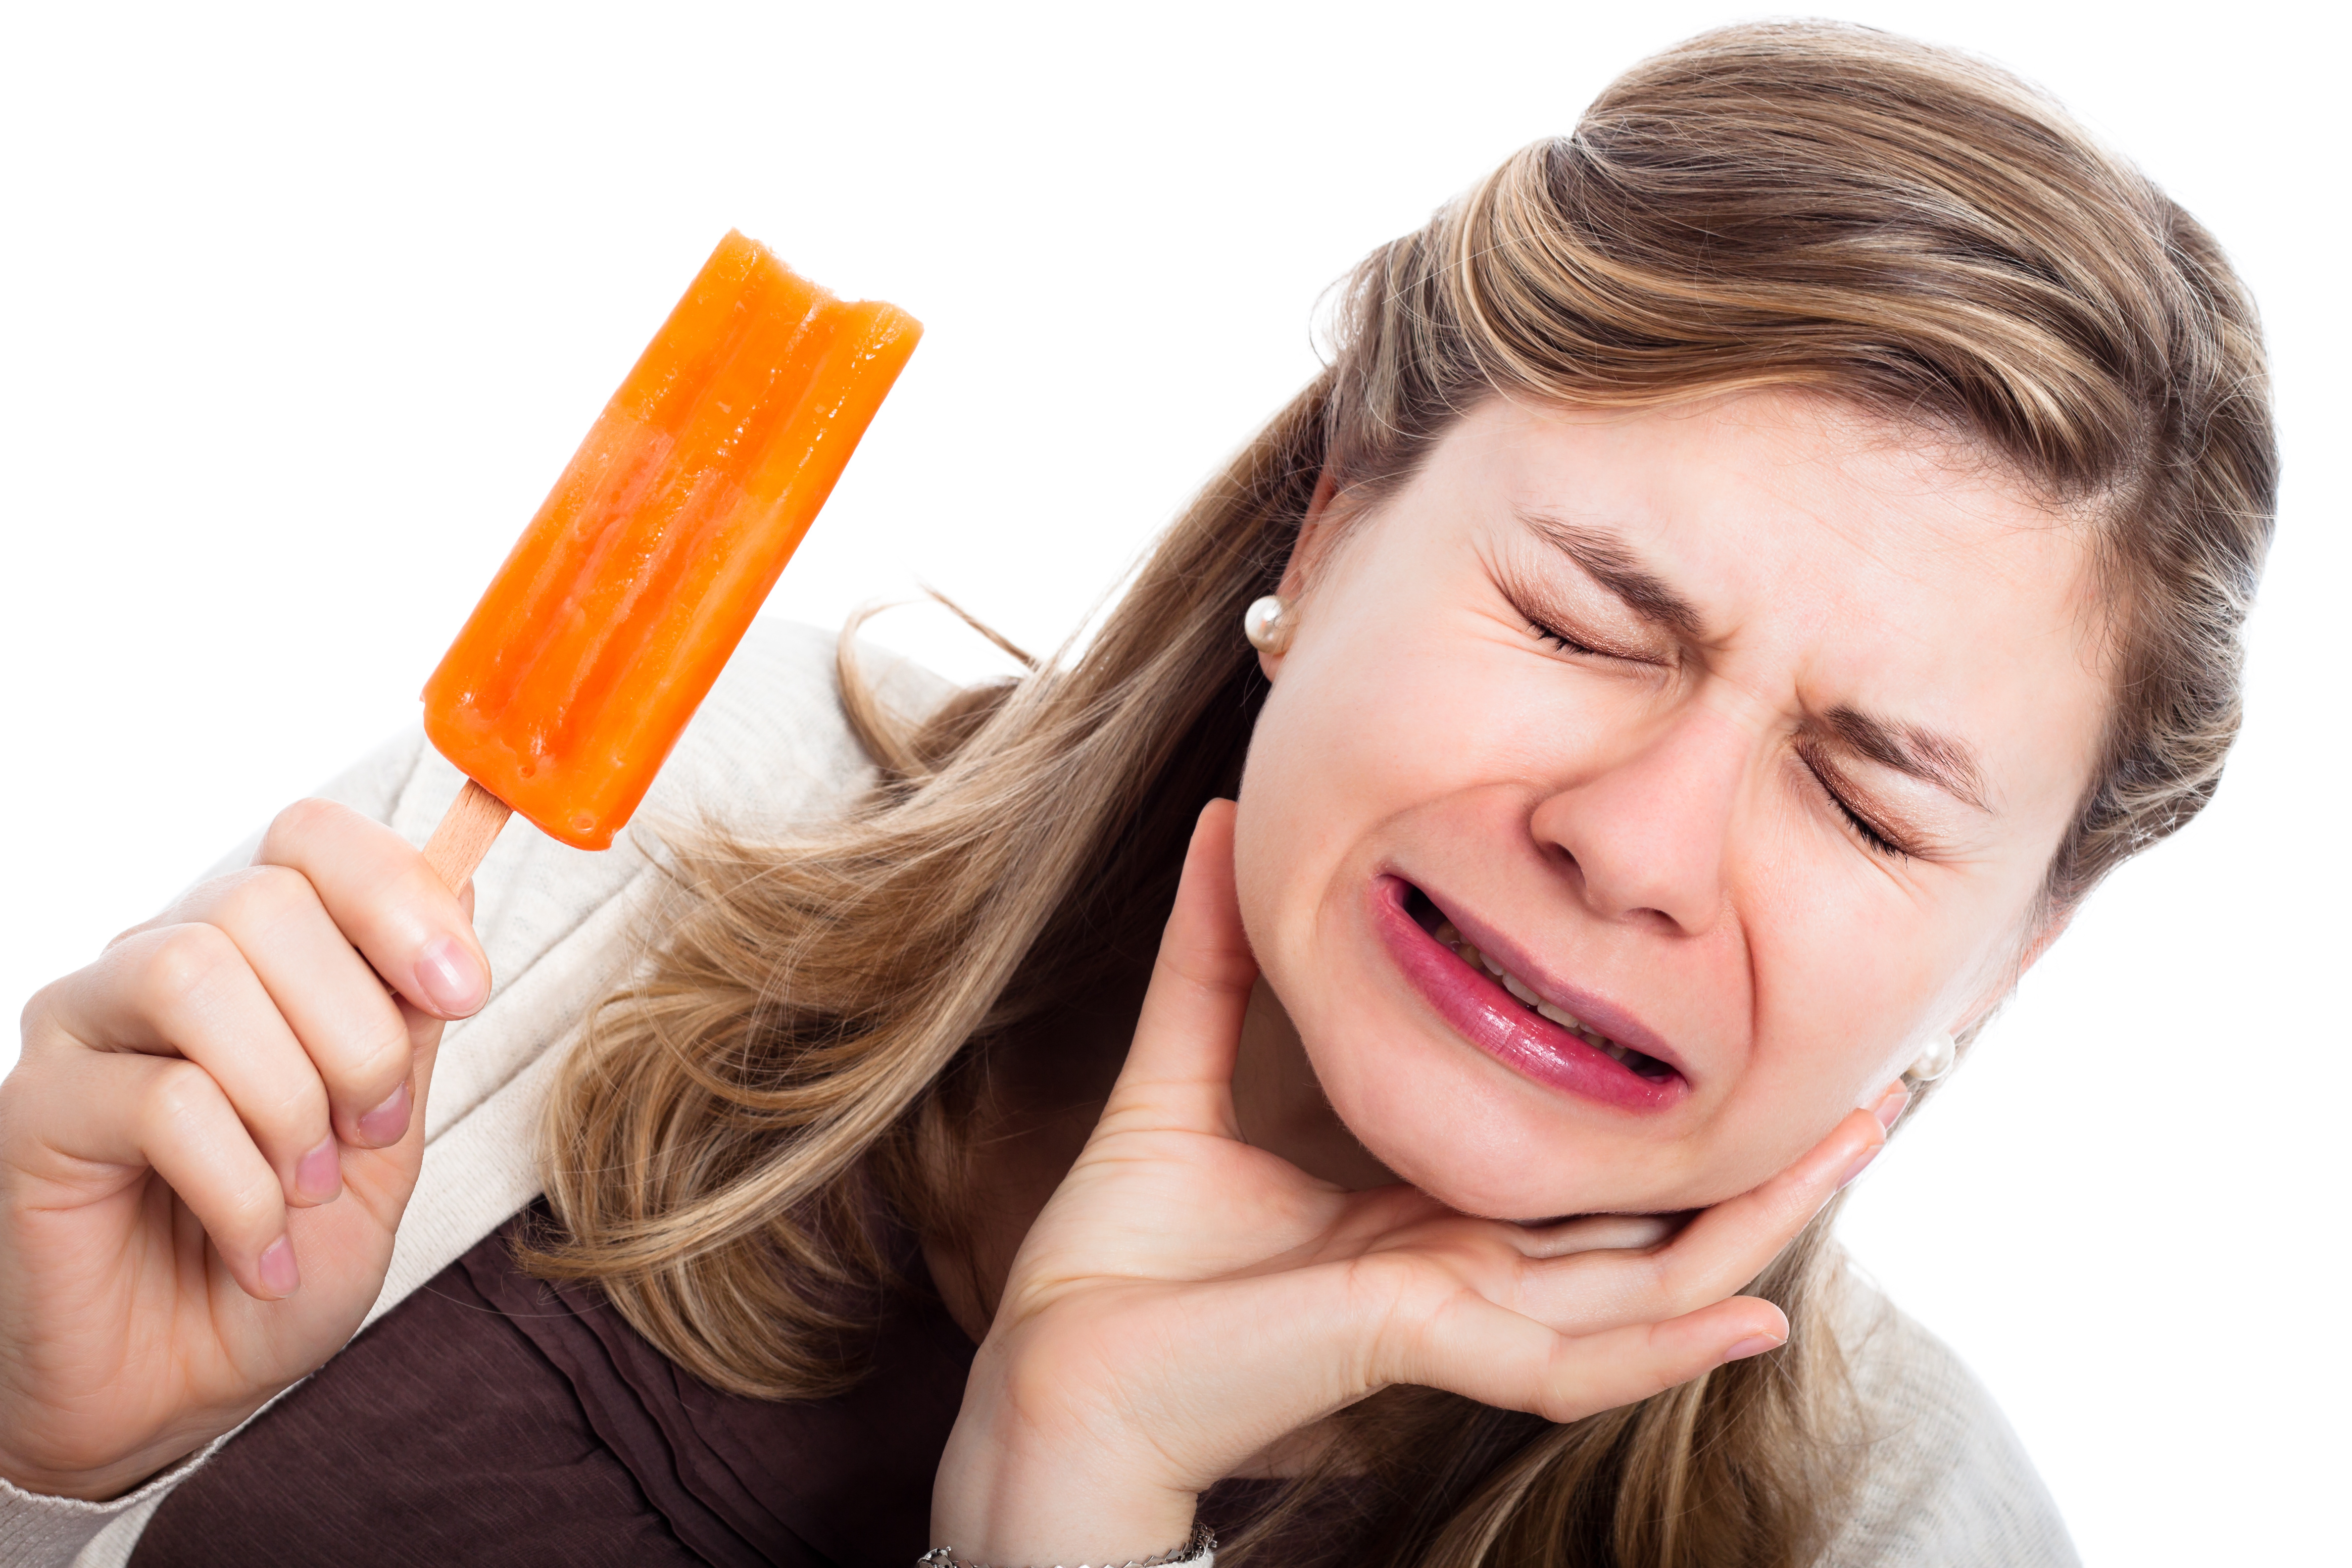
column 1947, row 1483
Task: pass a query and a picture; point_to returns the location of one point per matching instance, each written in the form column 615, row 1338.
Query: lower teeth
column 1645, row 1066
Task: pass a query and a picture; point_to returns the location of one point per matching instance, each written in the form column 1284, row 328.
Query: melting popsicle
column 600, row 634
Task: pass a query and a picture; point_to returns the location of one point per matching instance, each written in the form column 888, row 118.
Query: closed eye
column 1561, row 640
column 1548, row 631
column 1550, row 617
column 1877, row 839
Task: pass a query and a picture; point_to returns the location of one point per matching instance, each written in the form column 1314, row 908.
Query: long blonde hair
column 1797, row 204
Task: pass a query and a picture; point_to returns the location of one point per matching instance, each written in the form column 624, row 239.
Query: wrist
column 102, row 1485
column 1026, row 1499
column 61, row 1467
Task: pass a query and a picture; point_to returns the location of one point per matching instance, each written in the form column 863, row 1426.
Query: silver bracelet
column 1199, row 1551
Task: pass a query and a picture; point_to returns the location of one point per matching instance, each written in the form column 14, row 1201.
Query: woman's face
column 1739, row 735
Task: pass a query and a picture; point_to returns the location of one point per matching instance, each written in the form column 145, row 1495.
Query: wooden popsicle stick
column 467, row 831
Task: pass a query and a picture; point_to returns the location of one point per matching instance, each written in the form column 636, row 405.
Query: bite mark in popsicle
column 616, row 610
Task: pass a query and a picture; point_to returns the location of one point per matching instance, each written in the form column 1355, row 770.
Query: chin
column 1489, row 1194
column 1440, row 1135
column 1487, row 1143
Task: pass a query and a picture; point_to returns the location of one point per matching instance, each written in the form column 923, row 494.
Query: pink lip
column 1490, row 1018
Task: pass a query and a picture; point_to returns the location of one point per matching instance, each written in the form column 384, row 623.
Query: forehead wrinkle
column 1921, row 753
column 1605, row 557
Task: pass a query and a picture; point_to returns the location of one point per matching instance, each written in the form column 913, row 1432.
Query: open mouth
column 1535, row 1034
column 1431, row 918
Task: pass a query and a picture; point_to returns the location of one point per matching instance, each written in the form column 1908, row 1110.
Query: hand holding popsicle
column 213, row 1133
column 209, row 1144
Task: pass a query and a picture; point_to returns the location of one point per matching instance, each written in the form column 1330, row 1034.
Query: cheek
column 1851, row 964
column 1354, row 735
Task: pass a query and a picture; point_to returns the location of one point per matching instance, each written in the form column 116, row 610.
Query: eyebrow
column 1923, row 754
column 1936, row 759
column 1606, row 559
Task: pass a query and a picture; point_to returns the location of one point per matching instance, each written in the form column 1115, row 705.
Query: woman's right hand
column 1186, row 1303
column 207, row 1143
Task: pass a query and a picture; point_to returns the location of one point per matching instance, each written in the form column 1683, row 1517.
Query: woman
column 1750, row 569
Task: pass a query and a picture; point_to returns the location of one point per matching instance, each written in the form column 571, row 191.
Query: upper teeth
column 1526, row 993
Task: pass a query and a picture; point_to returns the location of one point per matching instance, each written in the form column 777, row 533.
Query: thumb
column 1179, row 1072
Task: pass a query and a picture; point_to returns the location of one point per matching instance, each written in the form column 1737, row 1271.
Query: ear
column 1307, row 554
column 1308, row 550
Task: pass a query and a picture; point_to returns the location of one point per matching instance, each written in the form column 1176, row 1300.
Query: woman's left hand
column 1185, row 1301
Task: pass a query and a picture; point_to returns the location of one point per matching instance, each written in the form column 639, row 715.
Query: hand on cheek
column 1186, row 1301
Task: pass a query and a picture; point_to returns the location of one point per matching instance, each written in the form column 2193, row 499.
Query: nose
column 1647, row 836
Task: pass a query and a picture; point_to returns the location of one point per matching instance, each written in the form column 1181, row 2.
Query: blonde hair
column 1793, row 205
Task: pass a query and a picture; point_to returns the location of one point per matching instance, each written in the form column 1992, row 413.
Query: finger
column 353, row 1030
column 1182, row 1065
column 1717, row 1253
column 187, row 990
column 1598, row 1233
column 1497, row 1357
column 1729, row 1245
column 172, row 1117
column 1482, row 1246
column 380, row 893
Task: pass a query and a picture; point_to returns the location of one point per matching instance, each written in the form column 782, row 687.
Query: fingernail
column 279, row 1277
column 1860, row 1161
column 452, row 979
column 318, row 1176
column 387, row 1121
column 1891, row 1105
column 1754, row 1345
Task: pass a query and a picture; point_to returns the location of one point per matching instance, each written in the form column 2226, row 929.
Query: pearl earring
column 1937, row 1060
column 1265, row 625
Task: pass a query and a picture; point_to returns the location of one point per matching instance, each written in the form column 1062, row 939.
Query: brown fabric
column 844, row 1480
column 442, row 1435
column 493, row 1418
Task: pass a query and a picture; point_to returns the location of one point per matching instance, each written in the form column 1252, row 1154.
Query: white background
column 303, row 310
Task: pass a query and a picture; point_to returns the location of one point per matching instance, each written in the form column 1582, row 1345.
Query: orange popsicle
column 605, row 629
